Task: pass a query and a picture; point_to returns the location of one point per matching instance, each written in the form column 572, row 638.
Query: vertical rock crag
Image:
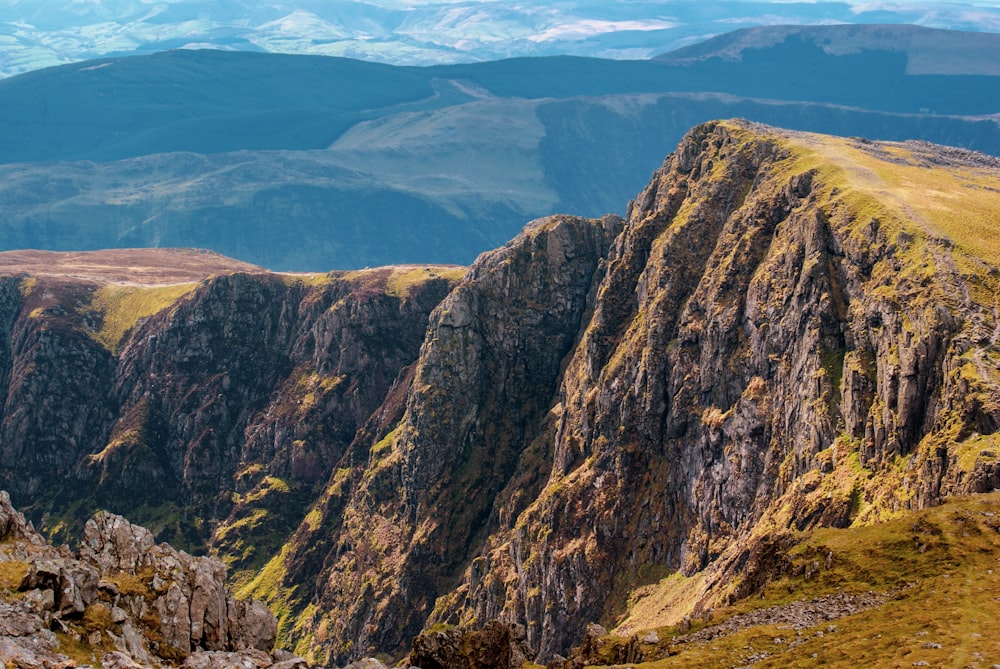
column 769, row 347
column 412, row 517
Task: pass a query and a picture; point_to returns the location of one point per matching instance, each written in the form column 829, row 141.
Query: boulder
column 243, row 659
column 12, row 523
column 496, row 645
column 113, row 543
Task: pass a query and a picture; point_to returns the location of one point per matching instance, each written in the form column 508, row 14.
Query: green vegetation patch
column 122, row 307
column 269, row 586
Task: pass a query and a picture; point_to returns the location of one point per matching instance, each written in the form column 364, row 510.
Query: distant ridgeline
column 313, row 163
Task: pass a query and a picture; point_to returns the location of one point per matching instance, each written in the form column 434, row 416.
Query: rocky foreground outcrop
column 125, row 602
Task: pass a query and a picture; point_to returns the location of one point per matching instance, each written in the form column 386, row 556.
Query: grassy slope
column 940, row 566
column 959, row 202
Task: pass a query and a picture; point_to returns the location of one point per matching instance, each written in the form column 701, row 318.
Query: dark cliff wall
column 233, row 402
column 765, row 350
column 760, row 347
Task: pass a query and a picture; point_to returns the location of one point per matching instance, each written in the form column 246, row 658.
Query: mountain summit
column 626, row 421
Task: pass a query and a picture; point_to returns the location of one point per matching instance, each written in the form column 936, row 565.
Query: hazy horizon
column 44, row 33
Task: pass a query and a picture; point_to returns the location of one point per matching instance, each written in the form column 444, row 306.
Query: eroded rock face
column 753, row 347
column 493, row 646
column 410, row 517
column 751, row 338
column 253, row 384
column 132, row 603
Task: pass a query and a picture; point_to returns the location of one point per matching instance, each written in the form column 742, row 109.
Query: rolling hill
column 44, row 33
column 296, row 162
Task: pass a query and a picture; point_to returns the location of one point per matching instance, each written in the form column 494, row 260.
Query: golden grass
column 315, row 280
column 399, row 280
column 906, row 191
column 403, row 280
column 28, row 285
column 941, row 567
column 663, row 603
column 79, row 651
column 130, row 584
column 123, row 306
column 12, row 572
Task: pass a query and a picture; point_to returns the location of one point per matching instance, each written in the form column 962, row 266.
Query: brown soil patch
column 135, row 266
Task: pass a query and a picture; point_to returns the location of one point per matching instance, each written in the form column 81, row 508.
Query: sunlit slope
column 921, row 590
column 950, row 195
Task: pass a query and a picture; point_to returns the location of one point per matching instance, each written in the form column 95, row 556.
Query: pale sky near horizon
column 42, row 33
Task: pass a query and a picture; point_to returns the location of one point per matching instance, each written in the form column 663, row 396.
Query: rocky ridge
column 122, row 601
column 765, row 345
column 787, row 331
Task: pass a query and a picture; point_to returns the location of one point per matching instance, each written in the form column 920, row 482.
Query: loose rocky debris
column 794, row 615
column 124, row 602
column 600, row 649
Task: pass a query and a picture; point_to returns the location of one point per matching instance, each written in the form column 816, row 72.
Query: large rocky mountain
column 615, row 420
column 308, row 163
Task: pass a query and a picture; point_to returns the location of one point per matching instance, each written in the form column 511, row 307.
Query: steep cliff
column 790, row 331
column 606, row 420
column 209, row 411
column 394, row 533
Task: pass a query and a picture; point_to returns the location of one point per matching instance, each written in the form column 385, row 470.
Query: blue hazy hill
column 301, row 162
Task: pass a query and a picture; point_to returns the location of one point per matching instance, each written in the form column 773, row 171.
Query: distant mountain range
column 44, row 33
column 312, row 163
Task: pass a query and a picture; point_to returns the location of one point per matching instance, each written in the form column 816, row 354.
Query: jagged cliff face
column 772, row 341
column 390, row 535
column 771, row 346
column 218, row 414
column 787, row 331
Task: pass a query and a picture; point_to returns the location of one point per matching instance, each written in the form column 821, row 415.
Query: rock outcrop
column 409, row 516
column 768, row 348
column 124, row 601
column 494, row 646
column 769, row 342
column 222, row 406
